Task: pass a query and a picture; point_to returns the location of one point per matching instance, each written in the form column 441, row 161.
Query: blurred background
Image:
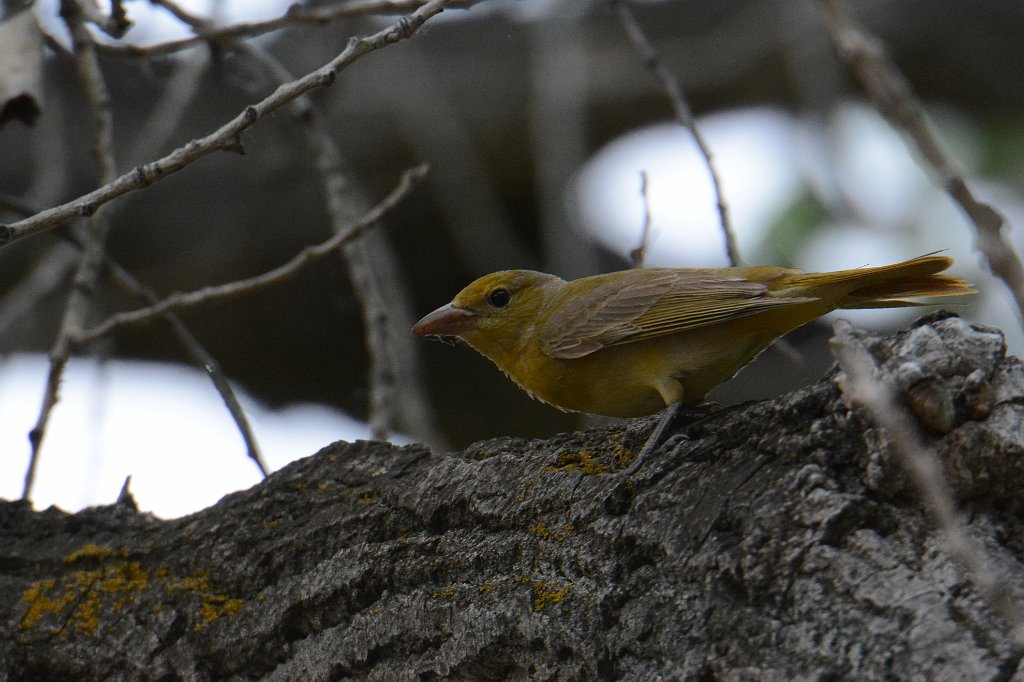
column 537, row 118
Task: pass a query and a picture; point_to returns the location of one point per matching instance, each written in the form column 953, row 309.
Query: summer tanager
column 630, row 343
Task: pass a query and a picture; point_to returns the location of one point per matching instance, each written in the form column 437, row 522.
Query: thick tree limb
column 778, row 541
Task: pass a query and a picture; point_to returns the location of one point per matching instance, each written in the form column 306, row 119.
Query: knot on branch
column 953, row 377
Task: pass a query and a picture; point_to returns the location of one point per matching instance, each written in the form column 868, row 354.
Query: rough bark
column 778, row 540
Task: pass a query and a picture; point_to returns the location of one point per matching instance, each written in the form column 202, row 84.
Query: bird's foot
column 669, row 416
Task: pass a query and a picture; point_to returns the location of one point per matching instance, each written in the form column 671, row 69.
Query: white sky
column 163, row 424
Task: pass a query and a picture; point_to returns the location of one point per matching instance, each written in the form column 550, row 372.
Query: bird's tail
column 888, row 286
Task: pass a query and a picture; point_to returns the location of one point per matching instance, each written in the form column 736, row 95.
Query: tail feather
column 887, row 286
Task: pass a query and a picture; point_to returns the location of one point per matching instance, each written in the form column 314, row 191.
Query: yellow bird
column 630, row 343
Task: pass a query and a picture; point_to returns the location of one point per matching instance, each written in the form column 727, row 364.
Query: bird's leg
column 655, row 439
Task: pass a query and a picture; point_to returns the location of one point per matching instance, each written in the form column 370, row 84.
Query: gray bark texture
column 774, row 541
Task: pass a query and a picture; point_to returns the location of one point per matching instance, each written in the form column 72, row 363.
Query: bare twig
column 201, row 357
column 684, row 116
column 227, row 137
column 640, row 252
column 342, row 200
column 862, row 385
column 369, row 275
column 895, row 100
column 95, row 235
column 115, row 25
column 279, row 274
column 48, row 274
column 296, row 15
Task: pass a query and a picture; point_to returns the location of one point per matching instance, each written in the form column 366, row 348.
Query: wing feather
column 644, row 304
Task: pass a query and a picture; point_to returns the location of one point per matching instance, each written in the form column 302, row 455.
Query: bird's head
column 495, row 313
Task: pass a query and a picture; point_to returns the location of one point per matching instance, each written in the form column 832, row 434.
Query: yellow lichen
column 215, row 606
column 623, row 457
column 581, row 461
column 545, row 533
column 544, row 594
column 81, row 597
column 446, row 593
column 80, row 601
column 93, row 552
column 365, row 498
column 42, row 599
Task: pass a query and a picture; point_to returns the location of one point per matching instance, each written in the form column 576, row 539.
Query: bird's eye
column 499, row 298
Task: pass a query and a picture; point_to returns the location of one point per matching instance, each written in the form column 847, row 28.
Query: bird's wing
column 643, row 304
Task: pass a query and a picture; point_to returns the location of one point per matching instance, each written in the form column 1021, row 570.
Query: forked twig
column 225, row 138
column 640, row 252
column 895, row 100
column 95, row 237
column 684, row 116
column 279, row 274
column 296, row 15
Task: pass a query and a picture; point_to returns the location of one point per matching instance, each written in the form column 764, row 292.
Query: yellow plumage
column 630, row 343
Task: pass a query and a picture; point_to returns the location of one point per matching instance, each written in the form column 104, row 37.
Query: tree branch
column 895, row 100
column 294, row 16
column 684, row 116
column 279, row 274
column 98, row 228
column 227, row 137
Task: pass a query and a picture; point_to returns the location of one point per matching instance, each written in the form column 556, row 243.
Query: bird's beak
column 445, row 321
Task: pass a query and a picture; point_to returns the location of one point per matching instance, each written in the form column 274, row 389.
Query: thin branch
column 895, row 100
column 684, row 116
column 379, row 288
column 295, row 15
column 96, row 232
column 201, row 357
column 344, row 201
column 863, row 386
column 115, row 25
column 640, row 252
column 383, row 361
column 227, row 137
column 49, row 274
column 304, row 258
